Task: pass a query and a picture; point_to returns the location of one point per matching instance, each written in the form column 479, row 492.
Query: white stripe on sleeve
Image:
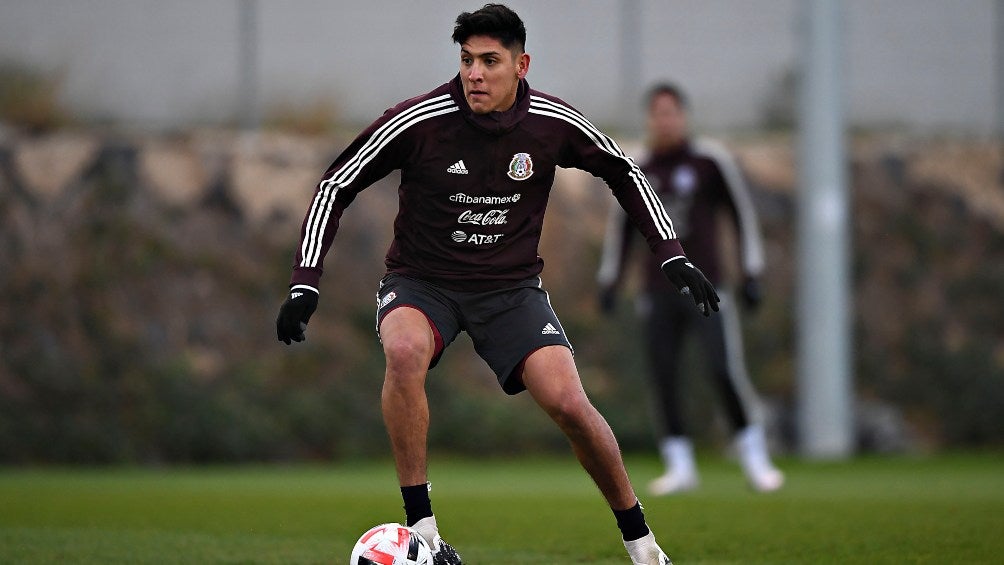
column 660, row 218
column 320, row 209
column 749, row 230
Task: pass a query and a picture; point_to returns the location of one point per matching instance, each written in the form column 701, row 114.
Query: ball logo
column 459, row 236
column 521, row 166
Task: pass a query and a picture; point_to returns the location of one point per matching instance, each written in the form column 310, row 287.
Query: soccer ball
column 391, row 544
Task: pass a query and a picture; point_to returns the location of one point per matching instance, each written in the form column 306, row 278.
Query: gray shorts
column 506, row 325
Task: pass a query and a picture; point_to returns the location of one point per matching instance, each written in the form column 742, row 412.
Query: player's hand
column 294, row 314
column 607, row 299
column 752, row 293
column 688, row 279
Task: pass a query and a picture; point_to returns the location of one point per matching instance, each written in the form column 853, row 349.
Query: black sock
column 631, row 523
column 416, row 503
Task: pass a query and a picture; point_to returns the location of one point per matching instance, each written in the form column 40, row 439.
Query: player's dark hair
column 668, row 89
column 494, row 20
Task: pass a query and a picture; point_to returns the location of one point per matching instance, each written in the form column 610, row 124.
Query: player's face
column 667, row 122
column 490, row 73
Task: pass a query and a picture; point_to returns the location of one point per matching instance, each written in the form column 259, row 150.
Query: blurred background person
column 697, row 180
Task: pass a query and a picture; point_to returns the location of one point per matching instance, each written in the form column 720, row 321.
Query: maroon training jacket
column 474, row 187
column 695, row 181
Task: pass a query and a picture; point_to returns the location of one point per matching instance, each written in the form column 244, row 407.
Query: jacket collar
column 496, row 123
column 672, row 154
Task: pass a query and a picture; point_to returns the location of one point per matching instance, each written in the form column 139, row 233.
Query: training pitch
column 944, row 509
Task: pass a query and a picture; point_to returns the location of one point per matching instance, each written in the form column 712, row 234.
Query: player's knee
column 571, row 411
column 406, row 355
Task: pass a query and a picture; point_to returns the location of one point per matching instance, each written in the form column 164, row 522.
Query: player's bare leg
column 408, row 346
column 553, row 381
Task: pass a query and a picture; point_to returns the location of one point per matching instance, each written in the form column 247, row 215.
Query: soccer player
column 477, row 157
column 696, row 180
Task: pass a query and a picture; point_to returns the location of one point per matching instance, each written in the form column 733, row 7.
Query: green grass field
column 947, row 509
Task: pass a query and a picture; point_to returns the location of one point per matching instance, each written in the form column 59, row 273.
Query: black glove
column 752, row 293
column 607, row 299
column 688, row 279
column 295, row 313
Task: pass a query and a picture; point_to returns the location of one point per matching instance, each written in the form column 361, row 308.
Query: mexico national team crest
column 684, row 180
column 521, row 167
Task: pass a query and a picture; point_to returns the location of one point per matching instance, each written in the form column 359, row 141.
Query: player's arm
column 370, row 157
column 589, row 149
column 645, row 209
column 617, row 244
column 738, row 199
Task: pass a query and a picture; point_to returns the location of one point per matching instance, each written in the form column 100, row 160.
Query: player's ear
column 522, row 65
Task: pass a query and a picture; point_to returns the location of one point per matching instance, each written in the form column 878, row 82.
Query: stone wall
column 140, row 275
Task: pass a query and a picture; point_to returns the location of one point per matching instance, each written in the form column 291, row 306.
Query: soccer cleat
column 646, row 551
column 442, row 552
column 673, row 482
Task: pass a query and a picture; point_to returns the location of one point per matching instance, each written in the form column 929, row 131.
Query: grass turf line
column 535, row 511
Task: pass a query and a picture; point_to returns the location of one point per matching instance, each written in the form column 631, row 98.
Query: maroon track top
column 474, row 187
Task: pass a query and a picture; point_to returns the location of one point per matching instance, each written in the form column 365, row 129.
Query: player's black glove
column 607, row 299
column 688, row 279
column 752, row 293
column 294, row 313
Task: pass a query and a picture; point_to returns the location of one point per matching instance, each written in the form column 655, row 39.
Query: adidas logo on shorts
column 549, row 330
column 458, row 168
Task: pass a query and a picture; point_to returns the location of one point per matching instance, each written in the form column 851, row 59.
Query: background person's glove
column 688, row 279
column 607, row 299
column 752, row 293
column 294, row 313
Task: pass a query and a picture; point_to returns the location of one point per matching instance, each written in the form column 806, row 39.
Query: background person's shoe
column 751, row 446
column 673, row 482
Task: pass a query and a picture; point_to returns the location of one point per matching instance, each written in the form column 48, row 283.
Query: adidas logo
column 295, row 295
column 549, row 330
column 458, row 168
